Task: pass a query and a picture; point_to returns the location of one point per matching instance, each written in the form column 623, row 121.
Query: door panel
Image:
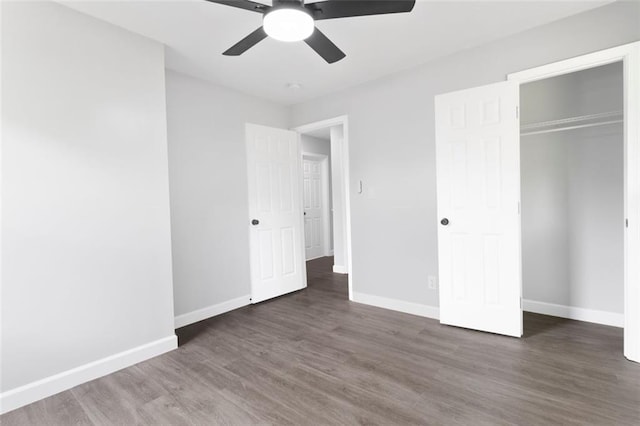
column 313, row 208
column 478, row 182
column 275, row 201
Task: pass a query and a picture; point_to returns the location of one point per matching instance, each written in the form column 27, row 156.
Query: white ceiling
column 196, row 32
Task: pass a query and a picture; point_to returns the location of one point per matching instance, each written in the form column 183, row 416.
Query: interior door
column 478, row 183
column 313, row 220
column 275, row 208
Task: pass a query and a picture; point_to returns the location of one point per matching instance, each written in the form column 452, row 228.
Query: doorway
column 572, row 195
column 276, row 213
column 627, row 59
column 325, row 158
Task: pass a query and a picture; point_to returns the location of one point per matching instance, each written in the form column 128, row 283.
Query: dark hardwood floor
column 313, row 358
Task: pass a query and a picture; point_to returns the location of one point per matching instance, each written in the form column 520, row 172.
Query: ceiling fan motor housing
column 280, row 3
column 288, row 20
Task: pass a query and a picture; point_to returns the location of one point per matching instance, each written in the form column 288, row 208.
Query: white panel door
column 275, row 209
column 478, row 182
column 313, row 208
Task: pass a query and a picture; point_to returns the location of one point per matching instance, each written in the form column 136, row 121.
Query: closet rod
column 589, row 117
column 579, row 126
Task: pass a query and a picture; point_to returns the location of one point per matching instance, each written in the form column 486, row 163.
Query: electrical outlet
column 432, row 282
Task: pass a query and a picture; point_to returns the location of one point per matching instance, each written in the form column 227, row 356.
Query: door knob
column 255, row 222
column 445, row 221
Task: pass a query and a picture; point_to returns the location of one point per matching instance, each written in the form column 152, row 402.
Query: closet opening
column 572, row 163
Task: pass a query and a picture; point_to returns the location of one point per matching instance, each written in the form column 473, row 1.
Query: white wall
column 391, row 125
column 316, row 145
column 572, row 193
column 545, row 219
column 209, row 199
column 86, row 249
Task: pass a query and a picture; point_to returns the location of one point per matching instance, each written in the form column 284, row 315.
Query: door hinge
column 517, row 112
column 626, row 223
column 518, row 207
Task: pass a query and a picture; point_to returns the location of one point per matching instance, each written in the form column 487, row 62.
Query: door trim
column 629, row 55
column 343, row 121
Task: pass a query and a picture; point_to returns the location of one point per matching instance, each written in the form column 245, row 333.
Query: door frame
column 343, row 148
column 629, row 55
column 325, row 182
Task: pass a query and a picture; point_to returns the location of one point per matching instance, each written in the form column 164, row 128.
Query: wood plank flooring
column 313, row 358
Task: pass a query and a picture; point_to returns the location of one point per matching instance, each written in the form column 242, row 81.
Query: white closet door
column 275, row 208
column 478, row 182
column 313, row 220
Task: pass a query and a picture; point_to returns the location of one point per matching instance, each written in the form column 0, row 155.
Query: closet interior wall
column 572, row 192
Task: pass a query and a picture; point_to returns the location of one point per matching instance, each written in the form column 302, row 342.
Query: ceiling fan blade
column 246, row 43
column 324, row 47
column 244, row 4
column 331, row 9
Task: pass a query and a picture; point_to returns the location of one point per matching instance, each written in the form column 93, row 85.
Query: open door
column 478, row 183
column 275, row 208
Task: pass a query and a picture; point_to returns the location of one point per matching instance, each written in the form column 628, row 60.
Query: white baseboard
column 23, row 395
column 581, row 314
column 562, row 311
column 211, row 311
column 398, row 305
column 339, row 269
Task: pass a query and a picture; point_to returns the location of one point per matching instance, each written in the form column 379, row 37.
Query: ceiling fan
column 293, row 20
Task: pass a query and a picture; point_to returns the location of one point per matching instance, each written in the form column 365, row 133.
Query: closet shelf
column 571, row 123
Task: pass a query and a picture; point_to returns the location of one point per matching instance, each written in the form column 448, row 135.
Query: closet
column 572, row 192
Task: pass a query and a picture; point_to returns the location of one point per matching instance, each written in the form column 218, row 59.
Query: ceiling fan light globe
column 288, row 24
